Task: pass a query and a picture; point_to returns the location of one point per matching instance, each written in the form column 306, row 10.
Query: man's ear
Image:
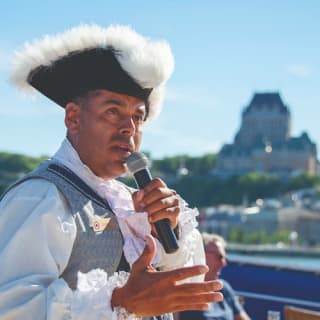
column 72, row 117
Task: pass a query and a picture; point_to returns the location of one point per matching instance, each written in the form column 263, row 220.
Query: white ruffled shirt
column 37, row 234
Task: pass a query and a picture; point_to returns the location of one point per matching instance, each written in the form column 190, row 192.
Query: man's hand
column 159, row 202
column 151, row 293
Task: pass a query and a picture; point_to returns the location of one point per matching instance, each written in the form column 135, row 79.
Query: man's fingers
column 195, row 302
column 187, row 289
column 162, row 204
column 202, row 306
column 192, row 307
column 154, row 184
column 144, row 261
column 168, row 213
column 200, row 298
column 137, row 198
column 183, row 273
column 138, row 195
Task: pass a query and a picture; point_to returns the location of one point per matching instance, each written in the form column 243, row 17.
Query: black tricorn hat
column 87, row 58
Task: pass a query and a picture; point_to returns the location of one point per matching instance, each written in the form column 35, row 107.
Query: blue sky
column 224, row 52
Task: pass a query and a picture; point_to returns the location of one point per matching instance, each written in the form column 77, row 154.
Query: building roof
column 269, row 100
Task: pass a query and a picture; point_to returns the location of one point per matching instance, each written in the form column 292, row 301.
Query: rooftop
column 269, row 100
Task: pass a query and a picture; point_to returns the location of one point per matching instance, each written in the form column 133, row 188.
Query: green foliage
column 204, row 191
column 303, row 181
column 198, row 191
column 195, row 165
column 12, row 166
column 11, row 162
column 257, row 185
column 198, row 187
column 236, row 235
column 258, row 237
column 280, row 236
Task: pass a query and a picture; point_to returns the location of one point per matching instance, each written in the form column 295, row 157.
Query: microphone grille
column 137, row 161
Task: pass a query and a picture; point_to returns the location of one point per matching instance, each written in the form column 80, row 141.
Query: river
column 293, row 261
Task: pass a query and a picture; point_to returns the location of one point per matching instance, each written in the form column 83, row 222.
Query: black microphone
column 138, row 164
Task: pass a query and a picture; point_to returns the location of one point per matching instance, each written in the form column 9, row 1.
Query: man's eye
column 138, row 117
column 112, row 111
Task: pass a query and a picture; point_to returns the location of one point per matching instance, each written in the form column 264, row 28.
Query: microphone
column 137, row 164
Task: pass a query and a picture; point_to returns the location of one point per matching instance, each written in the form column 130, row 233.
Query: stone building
column 264, row 143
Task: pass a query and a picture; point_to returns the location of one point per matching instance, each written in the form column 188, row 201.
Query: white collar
column 69, row 157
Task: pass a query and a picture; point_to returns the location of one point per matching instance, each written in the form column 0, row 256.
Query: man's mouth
column 125, row 148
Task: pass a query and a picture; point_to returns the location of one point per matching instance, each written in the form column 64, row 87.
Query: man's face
column 105, row 129
column 216, row 259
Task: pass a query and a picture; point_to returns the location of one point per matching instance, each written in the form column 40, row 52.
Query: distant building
column 303, row 222
column 264, row 143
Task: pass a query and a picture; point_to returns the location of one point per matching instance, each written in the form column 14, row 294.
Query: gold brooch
column 100, row 224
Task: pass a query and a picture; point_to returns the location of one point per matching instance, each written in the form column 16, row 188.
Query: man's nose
column 224, row 262
column 128, row 126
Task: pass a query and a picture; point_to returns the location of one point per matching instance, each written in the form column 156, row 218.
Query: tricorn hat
column 89, row 57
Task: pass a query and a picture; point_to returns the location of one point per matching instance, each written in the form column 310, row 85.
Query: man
column 229, row 308
column 76, row 243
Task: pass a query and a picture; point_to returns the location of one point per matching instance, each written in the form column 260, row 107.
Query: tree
column 302, row 181
column 12, row 166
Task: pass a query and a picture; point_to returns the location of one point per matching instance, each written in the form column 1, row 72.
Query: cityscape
column 264, row 144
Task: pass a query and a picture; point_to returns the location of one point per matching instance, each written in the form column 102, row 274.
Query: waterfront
column 269, row 278
column 286, row 261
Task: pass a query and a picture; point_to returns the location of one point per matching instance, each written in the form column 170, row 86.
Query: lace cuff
column 188, row 232
column 189, row 241
column 118, row 280
column 92, row 298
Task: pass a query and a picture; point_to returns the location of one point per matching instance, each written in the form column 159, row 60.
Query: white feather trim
column 156, row 100
column 149, row 63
